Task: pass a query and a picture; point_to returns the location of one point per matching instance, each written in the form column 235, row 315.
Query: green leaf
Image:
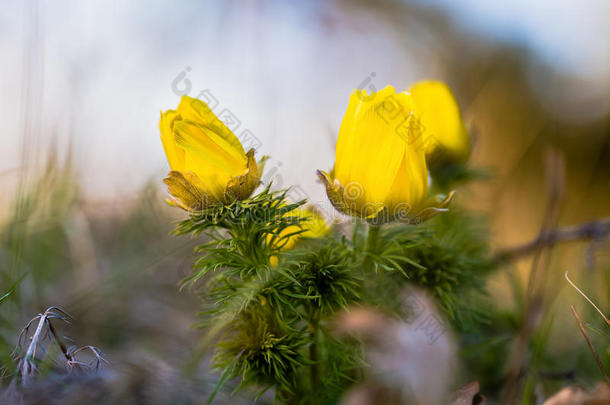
column 226, row 374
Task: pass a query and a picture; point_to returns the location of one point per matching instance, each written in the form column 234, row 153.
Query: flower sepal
column 241, row 187
column 187, row 192
column 379, row 214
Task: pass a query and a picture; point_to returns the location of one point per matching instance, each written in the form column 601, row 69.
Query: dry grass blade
column 587, row 298
column 584, row 333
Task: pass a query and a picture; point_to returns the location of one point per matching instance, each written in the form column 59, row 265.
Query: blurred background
column 83, row 222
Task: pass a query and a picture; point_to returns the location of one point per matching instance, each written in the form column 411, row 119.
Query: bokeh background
column 81, row 163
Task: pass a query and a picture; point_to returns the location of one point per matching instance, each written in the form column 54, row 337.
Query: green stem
column 372, row 242
column 313, row 354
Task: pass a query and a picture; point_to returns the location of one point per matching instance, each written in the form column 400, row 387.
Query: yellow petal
column 175, row 155
column 380, row 172
column 214, row 181
column 197, row 143
column 346, row 142
column 314, row 223
column 410, row 187
column 208, row 147
column 197, row 111
column 418, row 174
column 370, row 149
column 400, row 194
column 439, row 112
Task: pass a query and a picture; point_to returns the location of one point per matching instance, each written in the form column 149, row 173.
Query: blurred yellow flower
column 208, row 163
column 445, row 135
column 380, row 170
column 312, row 225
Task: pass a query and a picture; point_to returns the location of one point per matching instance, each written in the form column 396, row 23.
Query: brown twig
column 584, row 333
column 590, row 230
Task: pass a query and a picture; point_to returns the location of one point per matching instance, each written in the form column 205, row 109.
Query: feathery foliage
column 272, row 319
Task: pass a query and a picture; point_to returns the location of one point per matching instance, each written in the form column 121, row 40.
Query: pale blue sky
column 102, row 70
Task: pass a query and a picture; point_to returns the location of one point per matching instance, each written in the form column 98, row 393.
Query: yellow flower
column 380, row 170
column 313, row 225
column 208, row 163
column 443, row 127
